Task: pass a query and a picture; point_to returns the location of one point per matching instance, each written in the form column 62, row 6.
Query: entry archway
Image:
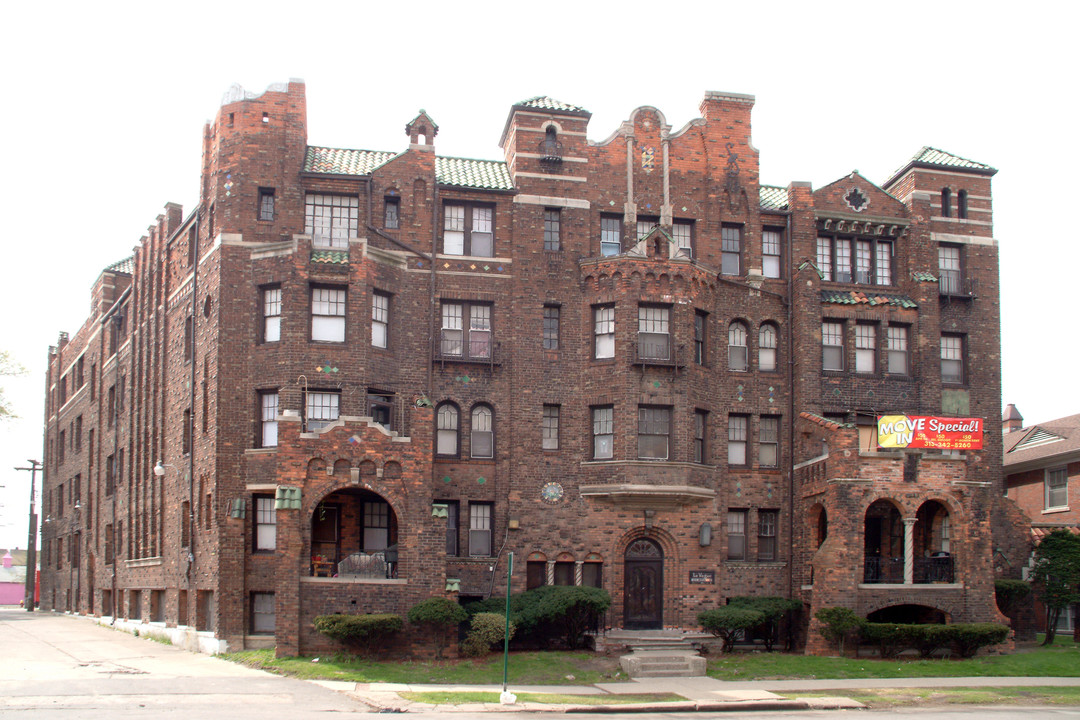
column 643, row 590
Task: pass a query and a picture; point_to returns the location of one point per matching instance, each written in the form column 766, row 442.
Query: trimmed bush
column 838, row 623
column 971, row 637
column 727, row 622
column 441, row 616
column 486, row 630
column 552, row 611
column 1010, row 593
column 965, row 639
column 772, row 607
column 363, row 633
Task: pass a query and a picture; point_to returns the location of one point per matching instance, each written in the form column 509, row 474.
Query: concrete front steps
column 658, row 653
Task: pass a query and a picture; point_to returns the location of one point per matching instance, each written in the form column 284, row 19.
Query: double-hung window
column 380, row 319
column 331, row 219
column 736, row 534
column 897, row 341
column 1057, row 488
column 866, row 261
column 604, row 331
column 767, row 534
column 731, row 249
column 832, row 346
column 266, row 204
column 271, row 302
column 769, row 441
column 473, row 341
column 610, row 235
column 654, row 338
column 738, row 429
column 482, row 435
column 446, row 430
column 952, row 359
column 263, row 613
column 268, row 412
column 376, row 525
column 645, row 224
column 328, row 314
column 738, row 353
column 865, row 348
column 468, row 230
column 603, row 432
column 480, row 529
column 767, row 342
column 265, row 523
column 552, row 241
column 551, row 327
column 949, row 269
column 770, row 253
column 682, row 232
column 549, row 428
column 321, row 409
column 654, row 432
column 700, row 320
column 701, row 418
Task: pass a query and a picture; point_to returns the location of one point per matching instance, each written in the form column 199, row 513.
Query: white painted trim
column 542, row 176
column 538, row 156
column 956, row 173
column 552, row 201
column 521, row 128
column 963, row 239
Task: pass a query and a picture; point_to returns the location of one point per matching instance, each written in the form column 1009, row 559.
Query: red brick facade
column 593, row 355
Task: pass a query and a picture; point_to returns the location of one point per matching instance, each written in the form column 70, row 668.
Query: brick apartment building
column 369, row 375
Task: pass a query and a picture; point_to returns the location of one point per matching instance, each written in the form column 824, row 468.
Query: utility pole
column 31, row 541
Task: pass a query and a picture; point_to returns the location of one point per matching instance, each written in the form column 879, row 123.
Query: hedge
column 440, row 615
column 551, row 611
column 359, row 632
column 727, row 622
column 486, row 630
column 965, row 639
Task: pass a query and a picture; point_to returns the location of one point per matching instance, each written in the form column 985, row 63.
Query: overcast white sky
column 104, row 105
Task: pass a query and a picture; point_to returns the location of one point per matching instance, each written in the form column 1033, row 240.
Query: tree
column 728, row 621
column 8, row 368
column 837, row 623
column 1056, row 576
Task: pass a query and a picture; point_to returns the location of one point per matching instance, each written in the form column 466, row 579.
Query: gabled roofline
column 914, row 162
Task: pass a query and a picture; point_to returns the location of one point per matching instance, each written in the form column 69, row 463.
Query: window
column 896, row 339
column 610, row 235
column 946, row 202
column 645, row 224
column 262, row 613
column 952, row 359
column 1057, row 488
column 185, row 442
column 736, row 534
column 701, row 418
column 482, row 436
column 380, row 319
column 738, row 356
column 654, row 432
column 79, row 380
column 268, row 412
column 93, row 382
column 592, row 573
column 603, row 432
column 865, row 348
column 110, row 474
column 322, row 409
column 962, row 204
column 549, row 428
column 271, row 300
column 391, row 213
column 682, row 232
column 535, row 574
column 604, row 331
column 769, row 441
column 328, row 314
column 446, row 441
column 700, row 319
column 468, row 230
column 380, row 407
column 480, row 529
column 770, row 253
column 78, row 434
column 949, row 269
column 551, row 327
column 737, row 432
column 730, row 249
column 376, row 525
column 767, row 341
column 452, row 509
column 266, row 204
column 766, row 549
column 331, row 219
column 189, row 338
column 832, row 346
column 551, row 230
column 477, row 345
column 654, row 340
column 265, row 523
column 873, row 260
column 563, row 572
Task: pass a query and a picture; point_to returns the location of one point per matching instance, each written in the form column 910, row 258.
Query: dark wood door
column 643, row 590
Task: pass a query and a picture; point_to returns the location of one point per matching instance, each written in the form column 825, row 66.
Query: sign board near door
column 702, row 577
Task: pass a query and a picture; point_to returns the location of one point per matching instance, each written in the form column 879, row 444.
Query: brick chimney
column 1011, row 420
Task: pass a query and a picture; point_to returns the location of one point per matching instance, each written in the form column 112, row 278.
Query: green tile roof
column 771, row 197
column 929, row 157
column 825, row 422
column 330, row 257
column 923, row 276
column 855, row 297
column 463, row 172
column 127, row 265
column 543, row 102
column 333, row 161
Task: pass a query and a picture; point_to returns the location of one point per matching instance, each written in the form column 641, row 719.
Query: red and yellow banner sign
column 920, row 431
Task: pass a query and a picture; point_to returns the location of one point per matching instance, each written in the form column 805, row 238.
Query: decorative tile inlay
column 738, row 488
column 446, row 479
column 465, row 379
column 326, row 369
column 856, row 200
column 481, row 480
column 648, row 155
column 551, row 493
column 355, row 439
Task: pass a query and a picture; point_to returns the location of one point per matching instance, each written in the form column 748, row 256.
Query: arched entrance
column 643, row 591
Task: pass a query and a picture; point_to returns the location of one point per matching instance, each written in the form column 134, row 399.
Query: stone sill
column 354, row 581
column 1055, row 510
column 912, row 586
column 143, row 562
column 765, row 564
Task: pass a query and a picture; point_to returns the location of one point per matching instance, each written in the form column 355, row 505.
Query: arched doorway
column 883, row 544
column 354, row 533
column 643, row 591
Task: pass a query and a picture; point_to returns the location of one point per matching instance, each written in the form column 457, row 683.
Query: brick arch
column 899, row 504
column 342, row 466
column 953, row 607
column 950, row 501
column 393, row 498
column 315, row 466
column 663, row 538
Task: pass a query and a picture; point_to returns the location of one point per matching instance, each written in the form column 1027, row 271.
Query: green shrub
column 551, row 611
column 359, row 632
column 929, row 638
column 891, row 638
column 1010, row 593
column 838, row 623
column 970, row 637
column 965, row 638
column 773, row 608
column 486, row 630
column 727, row 622
column 440, row 616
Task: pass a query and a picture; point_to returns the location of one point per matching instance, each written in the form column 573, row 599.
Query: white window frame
column 328, row 314
column 331, row 220
column 454, row 342
column 866, row 348
column 731, row 249
column 771, row 249
column 604, row 332
column 263, row 613
column 271, row 297
column 738, row 350
column 468, row 229
column 603, row 432
column 549, row 427
column 654, row 332
column 654, row 428
column 738, row 433
column 824, row 257
column 322, row 408
column 265, row 523
column 769, row 441
column 952, row 360
column 832, row 346
column 447, row 430
column 949, row 269
column 480, row 525
column 1056, row 493
column 268, row 412
column 768, row 340
column 380, row 319
column 610, row 236
column 896, row 339
column 682, row 232
column 482, row 432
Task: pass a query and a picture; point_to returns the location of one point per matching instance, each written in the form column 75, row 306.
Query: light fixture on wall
column 159, row 469
column 705, row 535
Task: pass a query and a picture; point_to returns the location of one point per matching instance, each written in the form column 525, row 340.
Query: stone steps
column 663, row 663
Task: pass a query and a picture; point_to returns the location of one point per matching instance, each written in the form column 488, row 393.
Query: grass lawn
column 458, row 698
column 896, row 697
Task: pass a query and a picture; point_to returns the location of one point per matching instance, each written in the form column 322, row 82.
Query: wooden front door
column 643, row 591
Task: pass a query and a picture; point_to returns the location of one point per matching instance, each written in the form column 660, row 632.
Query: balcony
column 474, row 351
column 952, row 285
column 656, row 349
column 883, row 570
column 379, row 565
column 551, row 153
column 937, row 568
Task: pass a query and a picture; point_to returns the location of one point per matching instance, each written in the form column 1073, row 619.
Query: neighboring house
column 13, row 577
column 348, row 380
column 1042, row 475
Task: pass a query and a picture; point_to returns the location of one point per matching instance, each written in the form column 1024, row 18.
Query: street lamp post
column 31, row 540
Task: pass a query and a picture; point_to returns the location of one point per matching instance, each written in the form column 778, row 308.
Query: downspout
column 791, row 411
column 118, row 321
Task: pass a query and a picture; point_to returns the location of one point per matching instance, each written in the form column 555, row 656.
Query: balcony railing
column 952, row 285
column 477, row 352
column 656, row 349
column 935, row 569
column 551, row 152
column 379, row 565
column 883, row 570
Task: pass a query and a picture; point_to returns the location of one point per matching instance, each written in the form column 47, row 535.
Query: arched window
column 946, row 202
column 551, row 140
column 446, row 440
column 482, row 437
column 738, row 359
column 767, row 343
column 961, row 204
